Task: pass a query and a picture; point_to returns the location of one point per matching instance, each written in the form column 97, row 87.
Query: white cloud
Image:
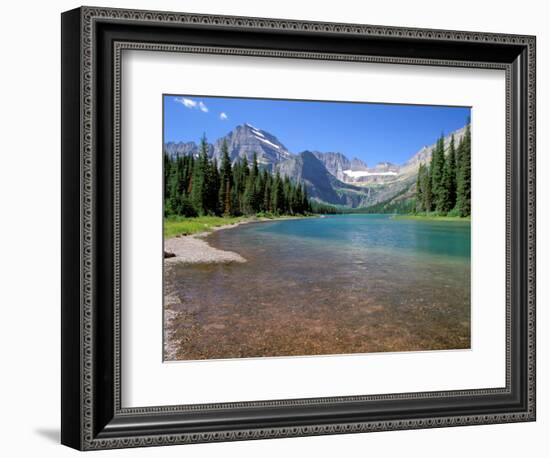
column 190, row 103
column 187, row 103
column 223, row 116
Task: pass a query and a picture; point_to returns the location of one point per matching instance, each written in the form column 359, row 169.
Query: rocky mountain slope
column 245, row 140
column 337, row 164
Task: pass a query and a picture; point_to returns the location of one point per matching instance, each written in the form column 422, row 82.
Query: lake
column 334, row 285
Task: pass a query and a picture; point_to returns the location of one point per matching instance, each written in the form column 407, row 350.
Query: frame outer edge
column 71, row 306
column 532, row 224
column 308, row 26
column 85, row 364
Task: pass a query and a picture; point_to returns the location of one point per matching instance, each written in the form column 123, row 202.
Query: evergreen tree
column 190, row 166
column 419, row 196
column 255, row 169
column 251, row 190
column 287, row 195
column 427, row 194
column 306, row 206
column 171, row 186
column 258, row 185
column 236, row 190
column 296, row 204
column 258, row 193
column 245, row 171
column 226, row 182
column 213, row 187
column 199, row 193
column 248, row 195
column 167, row 167
column 267, row 204
column 436, row 170
column 175, row 187
column 240, row 175
column 260, row 190
column 447, row 196
column 277, row 194
column 452, row 172
column 463, row 198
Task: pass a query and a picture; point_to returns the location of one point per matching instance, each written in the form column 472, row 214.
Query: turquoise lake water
column 332, row 285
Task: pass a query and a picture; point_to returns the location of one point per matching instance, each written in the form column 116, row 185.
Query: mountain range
column 330, row 177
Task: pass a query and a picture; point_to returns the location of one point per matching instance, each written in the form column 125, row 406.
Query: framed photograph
column 278, row 228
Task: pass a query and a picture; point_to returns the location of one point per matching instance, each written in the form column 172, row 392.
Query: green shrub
column 454, row 212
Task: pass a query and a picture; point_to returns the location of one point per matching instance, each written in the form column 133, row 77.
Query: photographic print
column 300, row 228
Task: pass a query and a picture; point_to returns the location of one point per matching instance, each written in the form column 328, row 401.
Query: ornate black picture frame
column 92, row 42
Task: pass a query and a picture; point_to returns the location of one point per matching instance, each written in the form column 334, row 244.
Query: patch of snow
column 268, row 142
column 362, row 173
column 251, row 126
column 259, row 134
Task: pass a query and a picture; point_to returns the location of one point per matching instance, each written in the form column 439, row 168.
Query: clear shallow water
column 340, row 284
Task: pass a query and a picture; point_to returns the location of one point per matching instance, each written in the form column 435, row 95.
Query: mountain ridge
column 329, row 177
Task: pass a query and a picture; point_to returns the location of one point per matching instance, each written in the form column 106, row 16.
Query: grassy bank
column 180, row 225
column 429, row 217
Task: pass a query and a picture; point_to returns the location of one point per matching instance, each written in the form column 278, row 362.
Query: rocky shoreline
column 193, row 249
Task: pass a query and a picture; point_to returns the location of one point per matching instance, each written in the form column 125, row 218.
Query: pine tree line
column 444, row 186
column 198, row 186
column 321, row 208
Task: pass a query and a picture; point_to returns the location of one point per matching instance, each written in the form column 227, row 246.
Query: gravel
column 195, row 250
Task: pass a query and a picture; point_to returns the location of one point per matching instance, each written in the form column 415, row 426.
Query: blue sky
column 371, row 132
